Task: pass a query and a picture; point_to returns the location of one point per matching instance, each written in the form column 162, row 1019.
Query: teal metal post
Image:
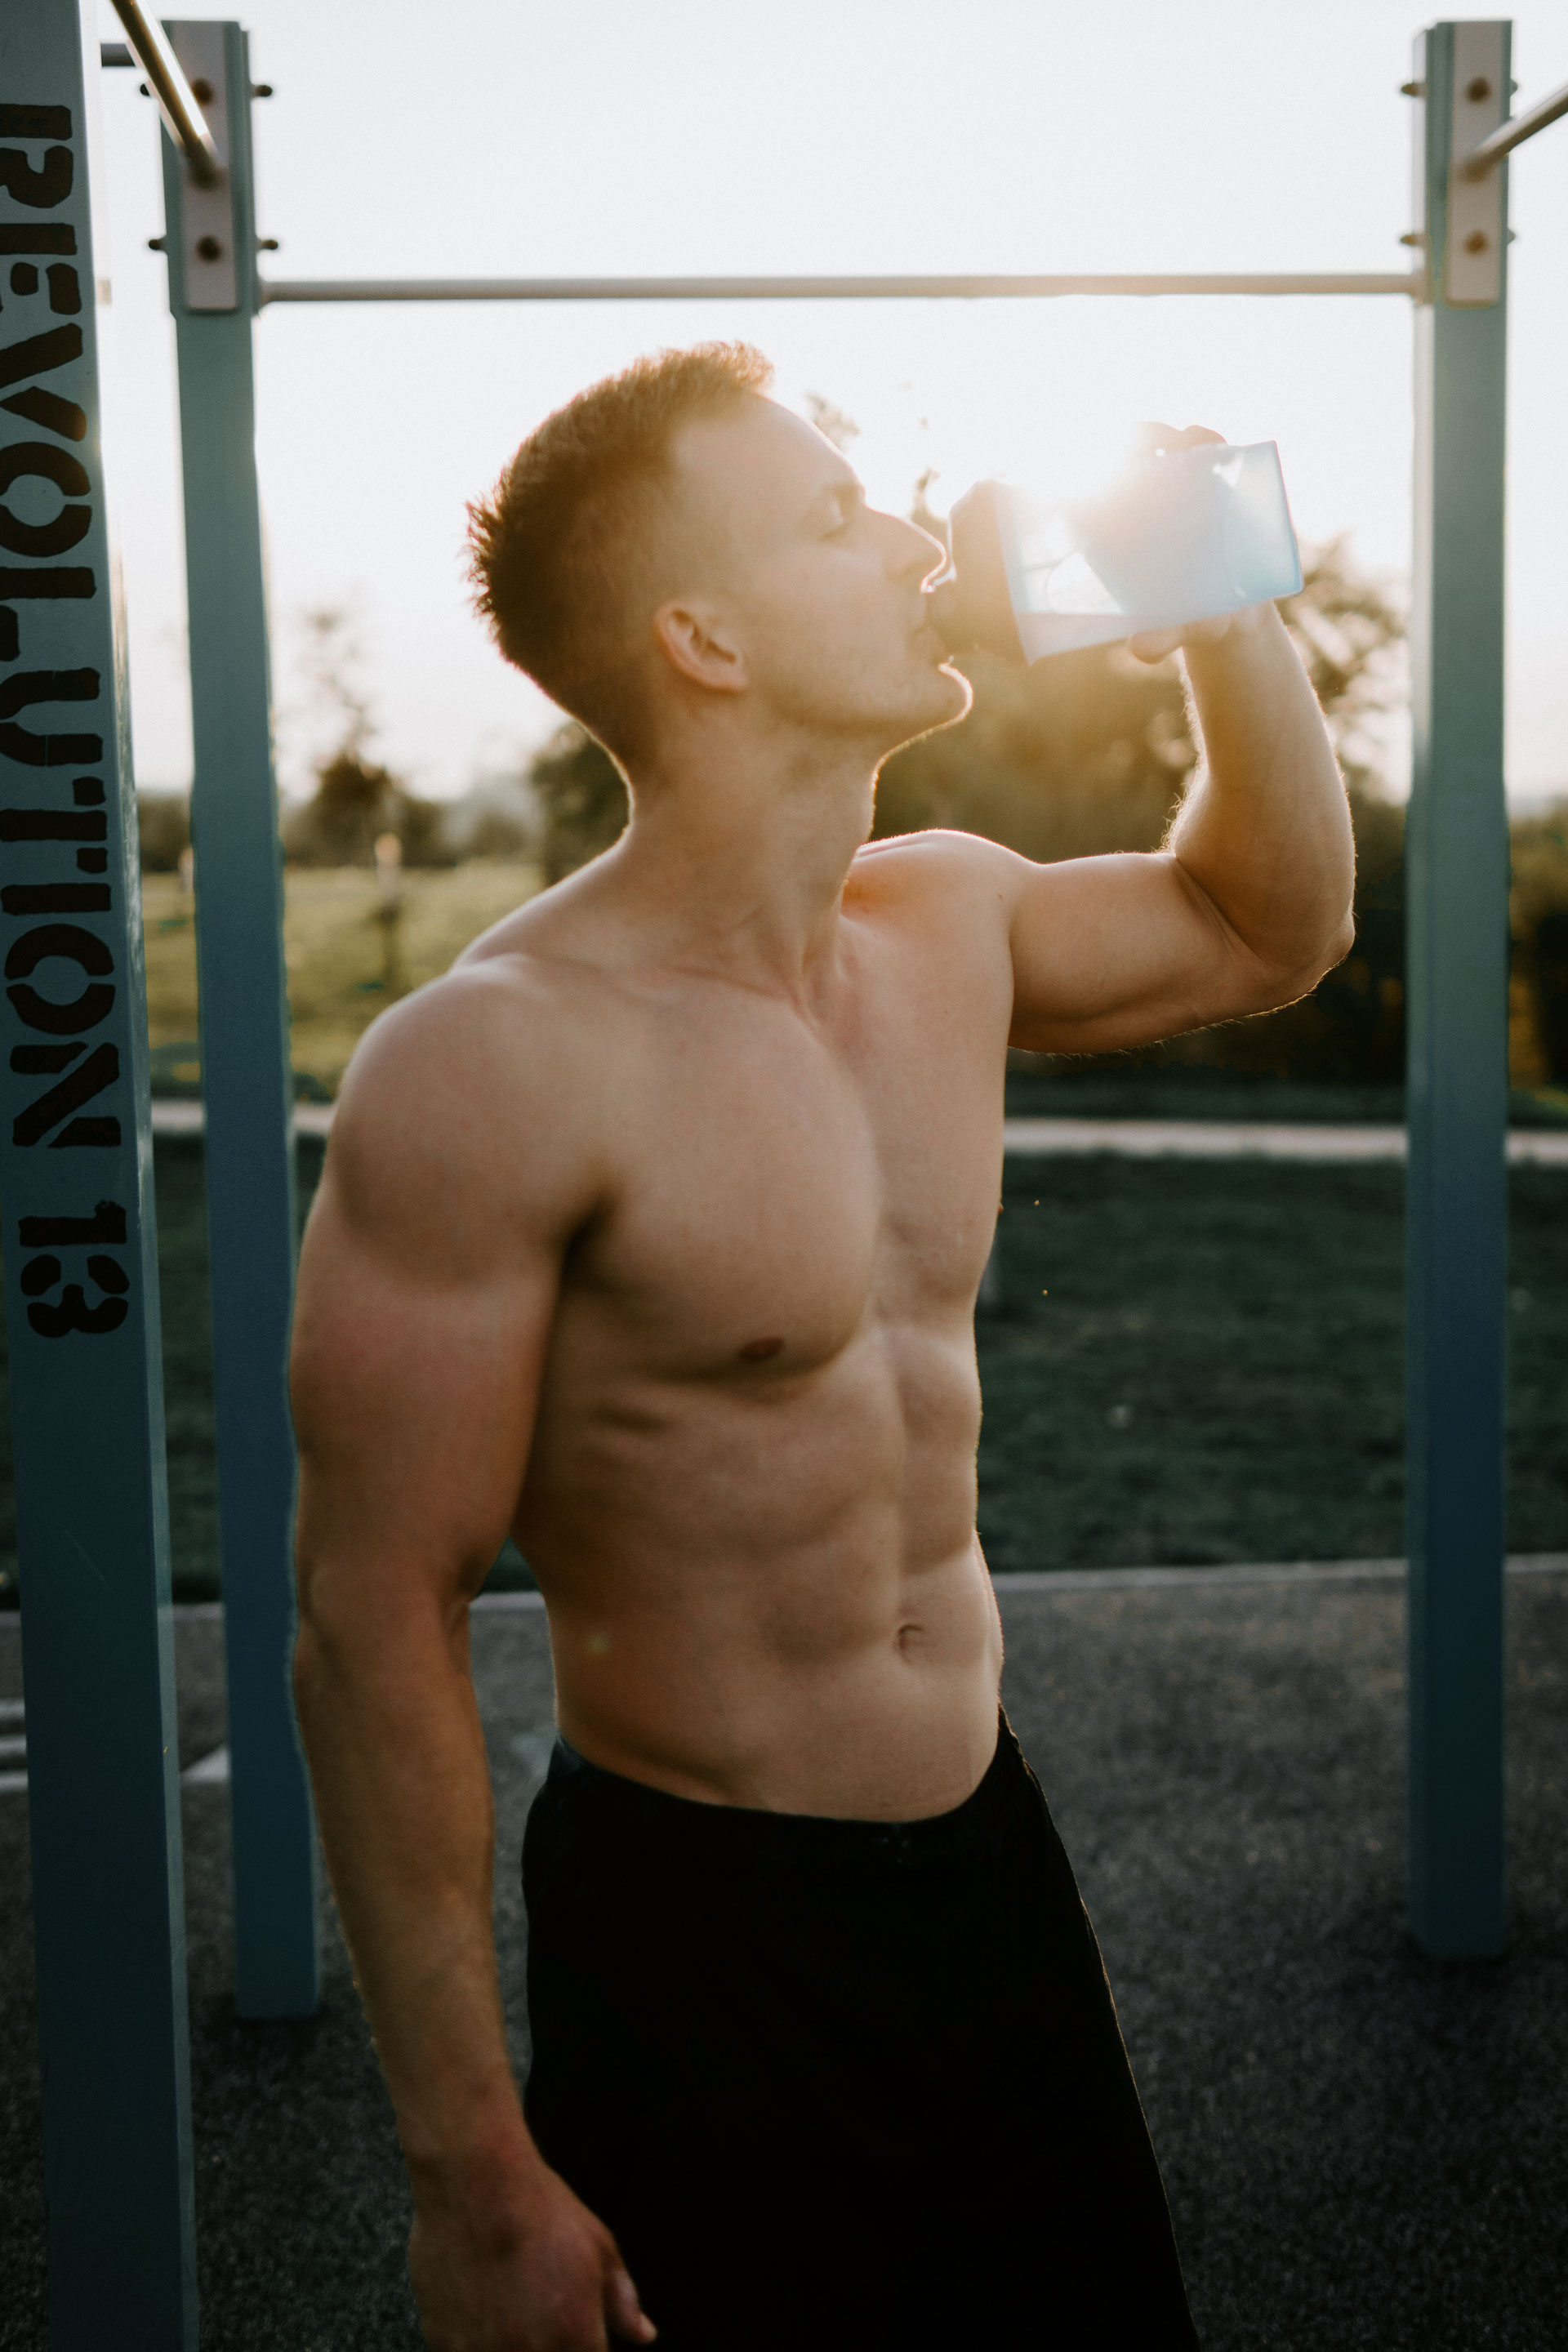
column 81, row 1270
column 211, row 242
column 1456, row 891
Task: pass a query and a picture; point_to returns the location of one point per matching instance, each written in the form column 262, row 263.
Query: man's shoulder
column 935, row 849
column 509, row 1011
column 937, row 867
column 473, row 1087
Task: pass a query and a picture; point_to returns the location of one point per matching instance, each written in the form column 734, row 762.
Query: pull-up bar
column 1510, row 135
column 956, row 285
column 177, row 101
column 1457, row 983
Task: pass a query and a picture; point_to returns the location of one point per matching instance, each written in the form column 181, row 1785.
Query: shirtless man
column 652, row 1234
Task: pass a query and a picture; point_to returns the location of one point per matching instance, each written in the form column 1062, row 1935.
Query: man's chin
column 946, row 698
column 963, row 691
column 935, row 696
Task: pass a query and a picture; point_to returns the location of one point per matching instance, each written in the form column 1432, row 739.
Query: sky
column 507, row 137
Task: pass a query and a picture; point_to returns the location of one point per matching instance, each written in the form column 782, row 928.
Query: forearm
column 1265, row 832
column 397, row 1757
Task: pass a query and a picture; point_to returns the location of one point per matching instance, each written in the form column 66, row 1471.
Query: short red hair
column 554, row 548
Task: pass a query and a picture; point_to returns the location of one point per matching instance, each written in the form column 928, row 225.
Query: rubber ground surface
column 1363, row 2148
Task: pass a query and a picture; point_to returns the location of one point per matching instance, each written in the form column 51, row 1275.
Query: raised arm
column 1248, row 904
column 426, row 1286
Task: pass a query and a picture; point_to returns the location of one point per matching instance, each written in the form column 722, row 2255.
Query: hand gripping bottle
column 1185, row 535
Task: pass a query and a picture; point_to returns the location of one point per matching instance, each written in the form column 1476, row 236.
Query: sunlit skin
column 652, row 1234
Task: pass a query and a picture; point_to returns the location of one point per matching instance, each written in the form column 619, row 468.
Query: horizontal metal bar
column 816, row 289
column 1513, row 134
column 176, row 99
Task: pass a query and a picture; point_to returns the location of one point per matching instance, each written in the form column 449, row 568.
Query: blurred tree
column 333, row 660
column 164, row 830
column 1350, row 633
column 356, row 799
column 582, row 796
column 1539, row 903
column 1084, row 753
column 350, row 806
column 922, row 512
column 498, row 833
column 831, row 421
column 355, row 802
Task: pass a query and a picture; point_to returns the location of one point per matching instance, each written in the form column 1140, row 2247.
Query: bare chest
column 785, row 1184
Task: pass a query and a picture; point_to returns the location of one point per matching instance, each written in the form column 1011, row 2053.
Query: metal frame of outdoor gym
column 75, row 1140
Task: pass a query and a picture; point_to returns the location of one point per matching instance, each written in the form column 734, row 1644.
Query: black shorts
column 840, row 2083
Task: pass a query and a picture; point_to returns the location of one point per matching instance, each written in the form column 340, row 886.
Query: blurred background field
column 336, row 946
column 1083, row 754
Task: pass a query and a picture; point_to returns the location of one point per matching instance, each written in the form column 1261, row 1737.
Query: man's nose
column 915, row 554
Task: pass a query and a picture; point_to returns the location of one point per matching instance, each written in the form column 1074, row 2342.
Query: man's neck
column 735, row 859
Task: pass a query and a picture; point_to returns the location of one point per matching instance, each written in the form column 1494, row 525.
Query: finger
column 1208, row 633
column 625, row 2313
column 1155, row 439
column 1153, row 644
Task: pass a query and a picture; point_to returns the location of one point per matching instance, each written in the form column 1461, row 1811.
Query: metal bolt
column 1476, row 241
column 208, row 250
column 201, row 89
column 261, row 90
column 1477, row 89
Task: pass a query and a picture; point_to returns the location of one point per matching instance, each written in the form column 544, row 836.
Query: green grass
column 1041, row 1087
column 335, row 950
column 1202, row 1361
column 1191, row 1361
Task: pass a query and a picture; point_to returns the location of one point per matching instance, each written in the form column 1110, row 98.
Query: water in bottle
column 1185, row 535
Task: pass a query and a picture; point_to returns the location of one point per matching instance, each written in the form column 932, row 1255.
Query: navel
column 757, row 1351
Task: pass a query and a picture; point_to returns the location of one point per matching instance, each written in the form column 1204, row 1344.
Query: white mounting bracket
column 207, row 214
column 1472, row 273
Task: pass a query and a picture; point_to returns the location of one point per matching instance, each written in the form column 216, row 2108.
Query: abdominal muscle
column 767, row 1590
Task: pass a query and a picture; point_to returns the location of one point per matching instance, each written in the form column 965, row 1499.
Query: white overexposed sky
column 508, row 138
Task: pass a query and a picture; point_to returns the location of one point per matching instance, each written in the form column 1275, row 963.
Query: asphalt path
column 1362, row 2147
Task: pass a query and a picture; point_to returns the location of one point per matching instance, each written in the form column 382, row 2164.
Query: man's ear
column 696, row 643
